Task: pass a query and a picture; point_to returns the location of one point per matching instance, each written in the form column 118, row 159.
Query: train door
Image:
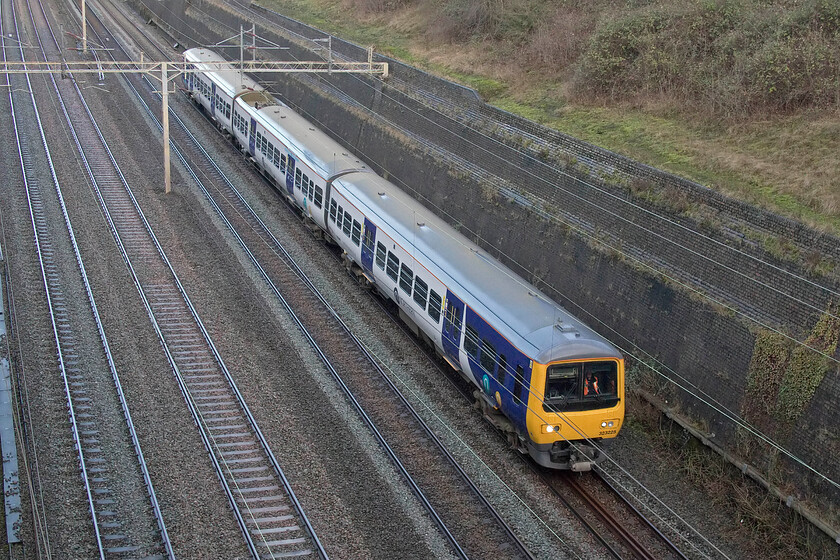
column 213, row 100
column 290, row 175
column 452, row 321
column 368, row 245
column 252, row 140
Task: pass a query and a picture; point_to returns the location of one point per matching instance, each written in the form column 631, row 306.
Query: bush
column 725, row 55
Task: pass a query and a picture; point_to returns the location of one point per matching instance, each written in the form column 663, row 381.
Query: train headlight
column 609, row 424
column 549, row 429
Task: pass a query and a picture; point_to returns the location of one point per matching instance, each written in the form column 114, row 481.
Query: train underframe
column 578, row 456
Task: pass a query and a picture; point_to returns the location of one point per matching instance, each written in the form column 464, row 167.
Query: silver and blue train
column 553, row 385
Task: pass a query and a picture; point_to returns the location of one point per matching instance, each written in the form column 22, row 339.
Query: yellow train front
column 565, row 401
column 572, row 406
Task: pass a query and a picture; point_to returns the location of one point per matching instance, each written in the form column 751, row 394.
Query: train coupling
column 580, row 466
column 581, row 458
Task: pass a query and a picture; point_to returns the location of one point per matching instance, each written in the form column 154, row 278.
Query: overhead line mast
column 167, row 71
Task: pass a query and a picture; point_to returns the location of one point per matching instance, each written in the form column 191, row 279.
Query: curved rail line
column 231, row 197
column 272, row 522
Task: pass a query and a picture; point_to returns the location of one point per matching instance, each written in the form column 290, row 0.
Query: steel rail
column 664, row 539
column 41, row 238
column 100, row 329
column 41, row 528
column 311, row 340
column 208, row 438
column 272, row 241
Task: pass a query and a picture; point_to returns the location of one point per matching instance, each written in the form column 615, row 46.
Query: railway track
column 115, row 532
column 451, row 498
column 642, row 540
column 271, row 520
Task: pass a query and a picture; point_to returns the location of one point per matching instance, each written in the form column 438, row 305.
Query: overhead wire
column 409, row 187
column 513, row 260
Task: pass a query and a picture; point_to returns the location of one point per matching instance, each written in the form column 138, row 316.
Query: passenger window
column 297, row 178
column 471, row 341
column 333, row 210
column 488, row 357
column 380, row 256
column 305, row 181
column 276, row 158
column 283, row 163
column 348, row 224
column 518, row 384
column 340, row 218
column 406, row 276
column 421, row 291
column 500, row 375
column 357, row 233
column 393, row 266
column 435, row 302
column 319, row 196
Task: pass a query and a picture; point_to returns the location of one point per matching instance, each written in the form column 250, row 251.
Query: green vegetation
column 807, row 368
column 740, row 95
column 783, row 376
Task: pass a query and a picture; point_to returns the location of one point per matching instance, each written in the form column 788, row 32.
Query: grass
column 785, row 162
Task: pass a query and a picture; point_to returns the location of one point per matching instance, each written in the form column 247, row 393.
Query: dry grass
column 670, row 84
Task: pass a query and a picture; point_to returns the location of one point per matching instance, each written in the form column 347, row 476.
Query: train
column 552, row 385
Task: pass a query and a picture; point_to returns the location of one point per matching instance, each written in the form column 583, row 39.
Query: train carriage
column 542, row 376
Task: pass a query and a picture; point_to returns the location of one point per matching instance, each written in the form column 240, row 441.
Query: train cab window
column 488, row 356
column 380, row 256
column 471, row 341
column 502, row 372
column 562, row 384
column 297, row 178
column 357, row 233
column 393, row 266
column 406, row 277
column 600, row 380
column 519, row 384
column 333, row 210
column 348, row 224
column 421, row 291
column 435, row 302
column 319, row 196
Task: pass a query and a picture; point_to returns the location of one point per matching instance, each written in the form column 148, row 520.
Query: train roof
column 526, row 316
column 321, row 152
column 221, row 71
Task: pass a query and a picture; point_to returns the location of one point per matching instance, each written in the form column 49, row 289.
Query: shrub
column 725, row 55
